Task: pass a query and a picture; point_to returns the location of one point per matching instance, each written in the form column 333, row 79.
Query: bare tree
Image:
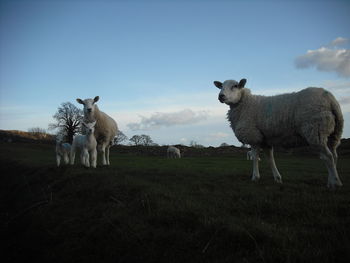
column 136, row 139
column 68, row 118
column 146, row 140
column 120, row 138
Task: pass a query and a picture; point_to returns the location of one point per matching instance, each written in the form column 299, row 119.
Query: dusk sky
column 153, row 63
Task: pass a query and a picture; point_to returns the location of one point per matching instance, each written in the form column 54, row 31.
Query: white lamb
column 309, row 117
column 105, row 130
column 62, row 151
column 87, row 145
column 173, row 152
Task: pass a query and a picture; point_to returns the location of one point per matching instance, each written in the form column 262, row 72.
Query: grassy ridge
column 150, row 209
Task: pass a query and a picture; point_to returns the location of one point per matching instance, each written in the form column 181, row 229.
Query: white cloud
column 167, row 119
column 338, row 42
column 328, row 58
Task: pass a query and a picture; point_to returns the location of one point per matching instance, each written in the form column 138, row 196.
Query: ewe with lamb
column 105, row 129
column 311, row 117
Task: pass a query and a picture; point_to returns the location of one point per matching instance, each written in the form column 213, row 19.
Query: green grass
column 151, row 209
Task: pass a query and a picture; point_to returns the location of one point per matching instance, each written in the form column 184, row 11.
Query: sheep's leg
column 87, row 159
column 327, row 156
column 256, row 174
column 82, row 157
column 275, row 172
column 107, row 154
column 93, row 158
column 66, row 158
column 102, row 150
column 58, row 159
column 72, row 156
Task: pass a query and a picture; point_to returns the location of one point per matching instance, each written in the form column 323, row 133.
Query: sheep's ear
column 80, row 101
column 218, row 84
column 96, row 99
column 242, row 83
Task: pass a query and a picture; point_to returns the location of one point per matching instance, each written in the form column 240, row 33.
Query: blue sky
column 153, row 64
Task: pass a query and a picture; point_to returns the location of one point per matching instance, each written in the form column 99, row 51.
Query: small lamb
column 62, row 151
column 173, row 152
column 105, row 130
column 87, row 145
column 311, row 117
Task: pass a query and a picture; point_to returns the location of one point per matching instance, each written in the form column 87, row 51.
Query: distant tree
column 38, row 132
column 194, row 144
column 136, row 140
column 120, row 138
column 146, row 140
column 143, row 139
column 224, row 144
column 68, row 118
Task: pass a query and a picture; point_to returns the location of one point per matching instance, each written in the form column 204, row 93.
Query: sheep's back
column 278, row 120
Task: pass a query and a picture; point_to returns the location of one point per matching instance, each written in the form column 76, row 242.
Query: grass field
column 151, row 209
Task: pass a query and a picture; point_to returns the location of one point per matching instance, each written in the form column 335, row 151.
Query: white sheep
column 87, row 145
column 311, row 117
column 105, row 130
column 173, row 152
column 62, row 151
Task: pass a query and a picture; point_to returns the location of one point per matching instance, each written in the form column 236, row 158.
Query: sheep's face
column 231, row 91
column 89, row 127
column 89, row 107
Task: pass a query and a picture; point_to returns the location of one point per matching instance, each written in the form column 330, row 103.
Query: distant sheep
column 87, row 145
column 105, row 130
column 62, row 151
column 173, row 152
column 309, row 117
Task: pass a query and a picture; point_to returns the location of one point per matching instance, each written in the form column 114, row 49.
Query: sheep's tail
column 335, row 137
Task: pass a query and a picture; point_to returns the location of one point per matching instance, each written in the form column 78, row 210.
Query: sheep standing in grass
column 105, row 130
column 173, row 152
column 62, row 151
column 309, row 117
column 87, row 145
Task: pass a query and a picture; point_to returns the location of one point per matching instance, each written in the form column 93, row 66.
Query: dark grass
column 151, row 209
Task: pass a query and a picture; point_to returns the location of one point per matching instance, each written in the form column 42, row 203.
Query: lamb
column 310, row 117
column 62, row 151
column 105, row 130
column 173, row 152
column 87, row 145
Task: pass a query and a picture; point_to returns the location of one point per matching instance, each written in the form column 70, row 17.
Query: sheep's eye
column 234, row 86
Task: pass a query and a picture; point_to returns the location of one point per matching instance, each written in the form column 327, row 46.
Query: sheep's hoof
column 334, row 185
column 255, row 178
column 278, row 180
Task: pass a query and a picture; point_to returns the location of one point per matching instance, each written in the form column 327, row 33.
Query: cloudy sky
column 153, row 64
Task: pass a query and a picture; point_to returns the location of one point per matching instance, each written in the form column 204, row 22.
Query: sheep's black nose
column 221, row 97
column 89, row 110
